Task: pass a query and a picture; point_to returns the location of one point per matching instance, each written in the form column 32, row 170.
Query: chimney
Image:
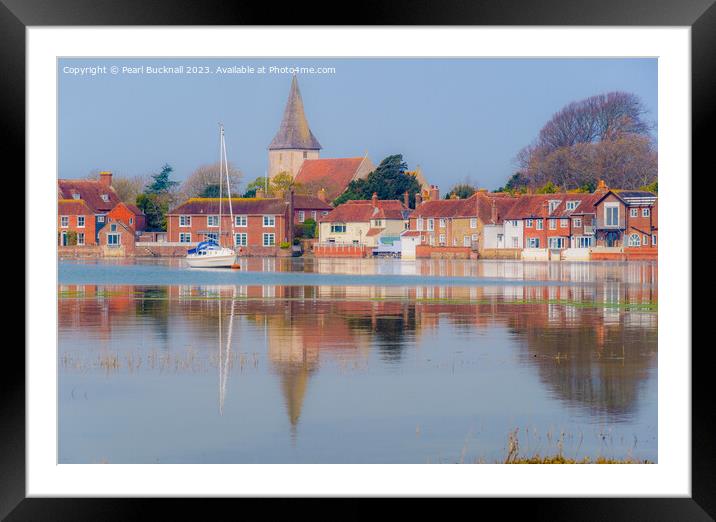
column 280, row 193
column 418, row 199
column 105, row 177
column 601, row 187
column 374, row 199
column 406, row 199
column 493, row 212
column 322, row 195
column 260, row 194
column 434, row 193
column 454, row 196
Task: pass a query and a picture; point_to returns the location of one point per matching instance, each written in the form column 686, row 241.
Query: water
column 355, row 361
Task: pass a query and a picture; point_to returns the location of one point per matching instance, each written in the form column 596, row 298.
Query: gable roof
column 294, row 132
column 331, row 174
column 363, row 210
column 134, row 209
column 90, row 191
column 241, row 206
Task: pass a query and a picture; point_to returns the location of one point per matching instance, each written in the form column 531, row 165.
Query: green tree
column 651, row 187
column 516, row 184
column 308, row 228
column 388, row 181
column 283, row 182
column 251, row 188
column 155, row 209
column 210, row 191
column 548, row 188
column 461, row 190
column 161, row 184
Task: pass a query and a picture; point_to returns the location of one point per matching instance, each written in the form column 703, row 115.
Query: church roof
column 294, row 132
column 331, row 174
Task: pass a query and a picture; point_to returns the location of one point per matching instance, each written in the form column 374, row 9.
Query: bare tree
column 601, row 137
column 205, row 181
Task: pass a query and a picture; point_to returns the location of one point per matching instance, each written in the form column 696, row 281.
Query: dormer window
column 75, row 195
column 553, row 203
column 105, row 198
column 571, row 205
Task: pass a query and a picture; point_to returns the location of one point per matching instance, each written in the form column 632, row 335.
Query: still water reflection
column 311, row 373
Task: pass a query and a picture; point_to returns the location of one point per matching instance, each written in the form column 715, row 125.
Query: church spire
column 294, row 132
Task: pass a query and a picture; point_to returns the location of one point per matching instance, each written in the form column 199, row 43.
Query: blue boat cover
column 204, row 245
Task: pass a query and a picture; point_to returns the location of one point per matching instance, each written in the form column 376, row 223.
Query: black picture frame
column 700, row 15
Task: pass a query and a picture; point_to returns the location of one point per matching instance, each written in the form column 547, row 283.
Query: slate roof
column 331, row 174
column 90, row 191
column 479, row 205
column 240, row 206
column 302, row 201
column 294, row 132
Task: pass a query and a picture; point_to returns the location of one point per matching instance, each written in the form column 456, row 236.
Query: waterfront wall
column 501, row 253
column 442, row 252
column 338, row 250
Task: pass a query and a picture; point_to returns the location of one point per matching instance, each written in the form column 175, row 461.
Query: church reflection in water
column 592, row 346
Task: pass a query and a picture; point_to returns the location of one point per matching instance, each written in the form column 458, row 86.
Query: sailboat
column 210, row 253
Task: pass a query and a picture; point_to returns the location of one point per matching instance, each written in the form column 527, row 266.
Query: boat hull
column 209, row 260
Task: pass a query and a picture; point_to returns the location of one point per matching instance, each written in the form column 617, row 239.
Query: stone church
column 296, row 150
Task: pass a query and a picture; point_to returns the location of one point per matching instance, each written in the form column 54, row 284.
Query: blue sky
column 456, row 118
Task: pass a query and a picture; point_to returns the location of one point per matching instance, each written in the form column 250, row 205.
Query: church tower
column 294, row 141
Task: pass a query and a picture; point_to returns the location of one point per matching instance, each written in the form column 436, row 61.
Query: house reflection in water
column 592, row 344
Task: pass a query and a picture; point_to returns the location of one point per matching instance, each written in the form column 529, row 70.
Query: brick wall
column 427, row 251
column 254, row 230
column 341, row 250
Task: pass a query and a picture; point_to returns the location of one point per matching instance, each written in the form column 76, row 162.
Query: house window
column 131, row 221
column 584, row 241
column 184, row 221
column 113, row 240
column 442, row 222
column 378, row 223
column 514, row 223
column 633, row 212
column 419, row 224
column 431, row 224
column 515, row 242
column 80, row 222
column 474, row 237
column 113, row 227
column 301, row 215
column 539, row 224
column 645, row 240
column 269, row 221
column 571, row 205
column 528, row 223
column 324, row 213
column 611, row 214
column 240, row 239
column 64, row 221
column 552, row 224
column 466, row 241
column 81, row 238
column 577, row 222
column 185, row 237
column 553, row 203
column 563, row 223
column 556, row 243
column 105, row 198
column 533, row 242
column 314, row 214
column 240, row 221
column 653, row 240
column 211, row 236
column 473, row 222
column 212, row 221
column 338, row 228
column 100, row 219
column 645, row 212
column 454, row 241
column 305, row 154
column 634, row 240
column 75, row 195
column 269, row 239
column 442, row 239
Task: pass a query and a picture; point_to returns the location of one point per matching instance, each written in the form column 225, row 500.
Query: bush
column 284, row 244
column 71, row 238
column 309, row 228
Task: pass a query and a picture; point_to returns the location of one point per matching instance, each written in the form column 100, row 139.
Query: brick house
column 460, row 223
column 128, row 214
column 364, row 222
column 75, row 223
column 309, row 207
column 258, row 223
column 627, row 218
column 98, row 195
column 116, row 238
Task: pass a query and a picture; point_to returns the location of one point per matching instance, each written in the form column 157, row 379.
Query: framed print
column 316, row 260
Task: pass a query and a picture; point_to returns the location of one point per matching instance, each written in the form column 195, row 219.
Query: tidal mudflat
column 356, row 361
